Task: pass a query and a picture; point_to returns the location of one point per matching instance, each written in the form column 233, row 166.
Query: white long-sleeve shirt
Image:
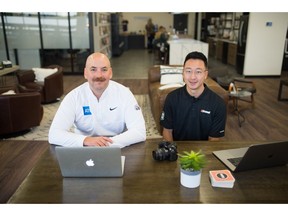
column 116, row 114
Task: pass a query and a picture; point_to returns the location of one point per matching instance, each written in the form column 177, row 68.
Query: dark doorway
column 180, row 22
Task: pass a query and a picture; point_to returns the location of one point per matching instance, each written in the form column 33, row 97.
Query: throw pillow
column 10, row 92
column 42, row 73
column 171, row 75
column 171, row 85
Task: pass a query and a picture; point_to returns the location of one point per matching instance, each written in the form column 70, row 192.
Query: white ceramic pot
column 190, row 179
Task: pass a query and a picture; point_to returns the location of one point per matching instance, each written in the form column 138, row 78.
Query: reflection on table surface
column 148, row 181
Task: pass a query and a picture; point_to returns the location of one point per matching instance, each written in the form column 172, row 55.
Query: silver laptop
column 90, row 161
column 254, row 157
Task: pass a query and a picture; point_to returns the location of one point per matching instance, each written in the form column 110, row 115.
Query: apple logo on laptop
column 90, row 163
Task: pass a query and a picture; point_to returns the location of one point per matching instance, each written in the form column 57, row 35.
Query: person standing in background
column 150, row 32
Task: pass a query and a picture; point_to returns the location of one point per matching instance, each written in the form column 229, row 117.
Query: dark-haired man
column 194, row 112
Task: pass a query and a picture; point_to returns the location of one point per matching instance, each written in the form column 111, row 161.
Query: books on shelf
column 104, row 41
column 104, row 18
column 221, row 178
column 104, row 30
column 103, row 33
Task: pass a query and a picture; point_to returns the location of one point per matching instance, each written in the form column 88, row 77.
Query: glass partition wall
column 40, row 39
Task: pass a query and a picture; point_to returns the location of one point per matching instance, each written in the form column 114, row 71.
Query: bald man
column 100, row 112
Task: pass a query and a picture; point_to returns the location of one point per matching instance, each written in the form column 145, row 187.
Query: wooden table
column 148, row 181
column 17, row 159
column 6, row 71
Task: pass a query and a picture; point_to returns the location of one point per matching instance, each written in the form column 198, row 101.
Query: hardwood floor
column 267, row 121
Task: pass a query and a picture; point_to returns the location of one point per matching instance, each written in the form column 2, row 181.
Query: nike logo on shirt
column 111, row 109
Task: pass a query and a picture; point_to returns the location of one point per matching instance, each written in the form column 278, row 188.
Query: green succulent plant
column 192, row 161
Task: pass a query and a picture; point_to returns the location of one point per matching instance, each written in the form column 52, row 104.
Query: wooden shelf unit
column 102, row 33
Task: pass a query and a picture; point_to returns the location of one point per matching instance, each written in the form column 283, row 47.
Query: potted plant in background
column 191, row 164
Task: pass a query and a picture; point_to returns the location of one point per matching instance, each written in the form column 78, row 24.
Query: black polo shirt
column 194, row 118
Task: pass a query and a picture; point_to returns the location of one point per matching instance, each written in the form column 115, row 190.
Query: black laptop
column 255, row 156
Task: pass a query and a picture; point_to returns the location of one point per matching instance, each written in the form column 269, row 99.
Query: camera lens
column 173, row 155
column 160, row 154
column 166, row 151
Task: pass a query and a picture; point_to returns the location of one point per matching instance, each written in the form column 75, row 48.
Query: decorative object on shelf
column 220, row 25
column 103, row 33
column 191, row 164
column 7, row 64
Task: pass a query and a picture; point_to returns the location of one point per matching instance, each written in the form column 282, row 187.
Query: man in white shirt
column 103, row 112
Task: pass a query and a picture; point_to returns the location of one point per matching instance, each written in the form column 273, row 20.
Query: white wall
column 265, row 44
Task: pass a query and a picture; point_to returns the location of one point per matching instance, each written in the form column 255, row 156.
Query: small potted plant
column 191, row 164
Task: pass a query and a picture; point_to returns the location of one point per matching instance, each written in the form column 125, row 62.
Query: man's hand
column 97, row 141
column 167, row 134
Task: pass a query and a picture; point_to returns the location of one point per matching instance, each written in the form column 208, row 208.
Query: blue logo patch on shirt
column 86, row 110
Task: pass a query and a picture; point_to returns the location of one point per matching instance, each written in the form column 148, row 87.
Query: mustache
column 99, row 79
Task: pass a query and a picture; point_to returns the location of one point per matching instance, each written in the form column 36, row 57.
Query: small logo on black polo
column 162, row 116
column 205, row 111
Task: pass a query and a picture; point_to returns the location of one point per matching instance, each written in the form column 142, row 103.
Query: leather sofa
column 19, row 112
column 157, row 96
column 51, row 89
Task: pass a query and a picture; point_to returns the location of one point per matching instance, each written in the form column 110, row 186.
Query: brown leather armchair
column 19, row 112
column 51, row 89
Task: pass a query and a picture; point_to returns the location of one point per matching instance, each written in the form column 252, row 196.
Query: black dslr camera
column 166, row 151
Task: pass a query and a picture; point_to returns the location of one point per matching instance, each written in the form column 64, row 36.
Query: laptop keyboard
column 235, row 161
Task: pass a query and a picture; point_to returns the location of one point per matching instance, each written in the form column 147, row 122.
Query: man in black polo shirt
column 193, row 112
